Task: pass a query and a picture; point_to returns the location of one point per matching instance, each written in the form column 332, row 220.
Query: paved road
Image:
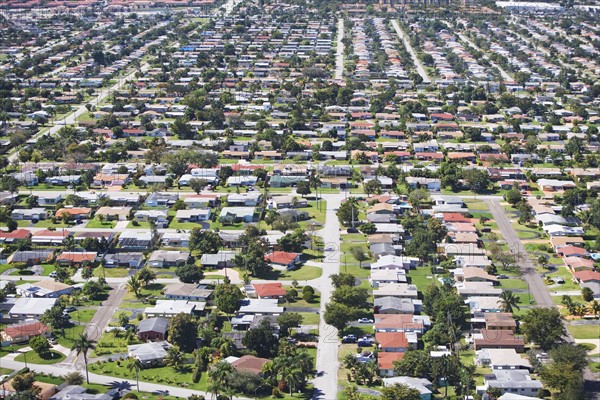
column 503, row 73
column 339, row 54
column 101, row 318
column 534, row 280
column 327, row 354
column 418, row 65
column 62, row 369
column 72, row 118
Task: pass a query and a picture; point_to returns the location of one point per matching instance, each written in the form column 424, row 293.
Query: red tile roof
column 250, row 364
column 586, row 276
column 269, row 289
column 391, row 339
column 281, row 257
column 386, row 360
column 27, row 328
column 16, row 234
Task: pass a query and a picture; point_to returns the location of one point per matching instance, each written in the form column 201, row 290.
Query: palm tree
column 82, row 345
column 218, row 374
column 135, row 286
column 508, row 301
column 135, row 364
column 292, row 376
column 174, row 358
column 595, row 307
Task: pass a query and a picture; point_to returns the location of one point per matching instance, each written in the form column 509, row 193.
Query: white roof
column 260, row 306
column 32, row 306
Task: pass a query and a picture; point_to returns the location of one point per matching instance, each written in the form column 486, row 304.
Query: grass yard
column 304, row 273
column 299, row 302
column 310, row 318
column 84, row 315
column 512, row 284
column 53, row 357
column 584, row 331
column 71, row 334
column 422, row 277
column 111, row 272
column 112, row 343
column 95, row 223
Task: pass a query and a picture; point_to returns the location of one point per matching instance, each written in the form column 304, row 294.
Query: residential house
column 149, row 354
column 188, row 291
column 284, row 259
column 260, row 307
column 170, row 308
column 269, row 290
column 222, row 259
column 130, row 239
column 30, row 257
column 193, row 215
column 45, row 288
column 385, row 362
column 517, row 381
column 127, row 260
column 401, row 290
column 76, row 258
column 29, row 214
column 114, row 213
column 502, row 359
column 237, row 214
column 156, row 199
column 159, row 217
column 30, row 307
column 395, row 342
column 77, row 213
column 168, row 258
column 175, row 239
column 397, row 305
column 422, row 385
column 497, row 339
column 248, row 364
column 248, row 199
column 384, row 276
column 153, row 329
column 22, row 331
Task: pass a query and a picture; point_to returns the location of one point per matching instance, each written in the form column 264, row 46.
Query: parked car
column 349, row 339
column 365, row 321
column 52, row 274
column 365, row 342
column 501, row 277
column 70, row 309
column 559, row 280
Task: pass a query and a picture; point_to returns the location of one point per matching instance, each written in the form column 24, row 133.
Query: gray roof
column 76, row 392
column 148, row 352
column 158, row 324
column 395, row 303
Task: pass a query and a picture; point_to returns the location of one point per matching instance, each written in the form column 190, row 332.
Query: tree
column 134, row 364
column 135, row 286
column 508, row 301
column 587, row 294
column 183, row 129
column 74, row 378
column 55, row 317
column 205, row 241
column 40, row 345
column 372, row 187
column 352, row 296
column 219, row 374
column 416, row 197
column 93, row 289
column 182, row 332
column 513, row 196
column 359, row 254
column 197, row 184
column 189, row 273
column 174, row 358
column 303, row 188
column 400, row 392
column 24, row 382
column 368, row 228
column 477, row 180
column 543, row 326
column 341, row 279
column 415, row 363
column 288, row 320
column 261, row 339
column 227, row 298
column 525, row 212
column 347, row 213
column 145, row 276
column 293, row 242
column 82, row 345
column 338, row 315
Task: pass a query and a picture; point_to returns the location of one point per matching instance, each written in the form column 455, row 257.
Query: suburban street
column 418, row 65
column 534, row 280
column 327, row 354
column 339, row 53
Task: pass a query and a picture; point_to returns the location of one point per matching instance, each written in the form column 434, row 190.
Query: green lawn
column 310, row 318
column 71, row 334
column 584, row 331
column 84, row 315
column 299, row 302
column 422, row 277
column 5, row 371
column 47, row 223
column 511, row 284
column 32, row 357
column 111, row 272
column 112, row 343
column 140, row 225
column 95, row 223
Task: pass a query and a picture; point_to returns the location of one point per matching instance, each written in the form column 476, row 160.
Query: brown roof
column 391, row 339
column 77, row 257
column 499, row 319
column 586, row 276
column 26, row 328
column 281, row 257
column 269, row 289
column 250, row 364
column 386, row 360
column 498, row 338
column 391, row 321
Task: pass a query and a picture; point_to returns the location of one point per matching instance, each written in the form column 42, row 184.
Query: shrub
column 196, row 375
column 276, row 393
column 130, row 395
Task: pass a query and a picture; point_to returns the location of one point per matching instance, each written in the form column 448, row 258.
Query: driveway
column 534, row 280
